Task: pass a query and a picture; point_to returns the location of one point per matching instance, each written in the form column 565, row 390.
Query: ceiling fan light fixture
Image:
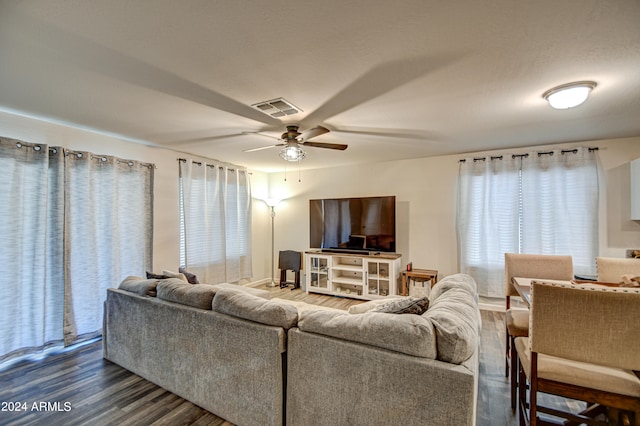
column 569, row 95
column 292, row 153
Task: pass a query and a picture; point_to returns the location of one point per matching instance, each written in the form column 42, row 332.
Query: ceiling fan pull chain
column 299, row 180
column 285, row 172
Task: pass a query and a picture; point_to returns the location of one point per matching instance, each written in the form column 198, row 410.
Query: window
column 539, row 203
column 215, row 221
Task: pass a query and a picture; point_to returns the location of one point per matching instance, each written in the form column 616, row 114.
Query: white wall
column 425, row 191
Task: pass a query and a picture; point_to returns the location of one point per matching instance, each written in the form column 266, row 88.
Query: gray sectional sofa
column 231, row 366
column 251, row 360
column 384, row 369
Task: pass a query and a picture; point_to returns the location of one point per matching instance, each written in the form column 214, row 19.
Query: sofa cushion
column 255, row 291
column 405, row 305
column 304, row 306
column 408, row 334
column 178, row 291
column 138, row 285
column 253, row 308
column 463, row 281
column 361, row 308
column 456, row 318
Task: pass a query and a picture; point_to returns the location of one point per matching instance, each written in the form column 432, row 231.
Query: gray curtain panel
column 73, row 225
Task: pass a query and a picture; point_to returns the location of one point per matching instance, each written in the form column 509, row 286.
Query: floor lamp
column 272, row 203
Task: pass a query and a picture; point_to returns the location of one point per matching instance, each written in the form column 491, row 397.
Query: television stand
column 353, row 274
column 346, row 251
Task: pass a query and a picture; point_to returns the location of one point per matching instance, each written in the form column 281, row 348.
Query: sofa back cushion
column 138, row 285
column 408, row 334
column 456, row 318
column 254, row 291
column 254, row 308
column 179, row 291
column 463, row 281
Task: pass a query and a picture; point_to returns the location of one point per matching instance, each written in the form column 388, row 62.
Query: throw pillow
column 178, row 275
column 409, row 305
column 151, row 275
column 190, row 277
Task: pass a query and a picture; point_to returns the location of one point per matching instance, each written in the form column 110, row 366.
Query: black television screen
column 367, row 223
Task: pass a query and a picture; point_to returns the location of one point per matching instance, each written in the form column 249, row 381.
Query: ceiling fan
column 292, row 142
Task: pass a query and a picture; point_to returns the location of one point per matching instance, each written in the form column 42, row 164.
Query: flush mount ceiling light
column 569, row 95
column 291, row 152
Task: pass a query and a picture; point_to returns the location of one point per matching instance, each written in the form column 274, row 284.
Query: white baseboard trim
column 258, row 283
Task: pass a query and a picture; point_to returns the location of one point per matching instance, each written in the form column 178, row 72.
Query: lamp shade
column 569, row 95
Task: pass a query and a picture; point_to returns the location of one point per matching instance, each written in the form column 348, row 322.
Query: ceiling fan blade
column 376, row 82
column 263, row 147
column 338, row 146
column 312, row 133
column 261, row 134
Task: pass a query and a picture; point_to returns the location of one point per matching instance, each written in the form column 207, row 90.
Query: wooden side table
column 417, row 275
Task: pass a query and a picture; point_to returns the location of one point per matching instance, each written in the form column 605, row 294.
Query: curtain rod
column 231, row 167
column 79, row 154
column 540, row 154
column 104, row 158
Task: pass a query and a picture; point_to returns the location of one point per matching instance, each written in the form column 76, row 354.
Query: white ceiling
column 393, row 80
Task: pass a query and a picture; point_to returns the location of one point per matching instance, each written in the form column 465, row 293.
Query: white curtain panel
column 31, row 222
column 216, row 221
column 487, row 219
column 535, row 203
column 108, row 233
column 560, row 206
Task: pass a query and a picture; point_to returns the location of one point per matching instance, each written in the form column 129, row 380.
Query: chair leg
column 522, row 396
column 297, row 280
column 514, row 374
column 533, row 390
column 507, row 353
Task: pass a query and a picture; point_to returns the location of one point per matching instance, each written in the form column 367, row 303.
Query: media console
column 368, row 276
column 348, row 251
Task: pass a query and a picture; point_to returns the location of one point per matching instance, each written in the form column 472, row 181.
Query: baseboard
column 258, row 283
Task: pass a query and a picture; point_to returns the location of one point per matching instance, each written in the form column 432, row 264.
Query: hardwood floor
column 79, row 387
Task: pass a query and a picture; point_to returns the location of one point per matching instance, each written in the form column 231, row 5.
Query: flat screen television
column 353, row 224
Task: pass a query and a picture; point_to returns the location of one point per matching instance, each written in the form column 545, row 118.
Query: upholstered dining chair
column 611, row 270
column 550, row 267
column 584, row 344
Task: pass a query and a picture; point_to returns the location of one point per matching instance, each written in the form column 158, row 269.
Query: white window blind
column 215, row 220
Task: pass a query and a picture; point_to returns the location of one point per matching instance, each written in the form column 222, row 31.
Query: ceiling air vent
column 277, row 108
